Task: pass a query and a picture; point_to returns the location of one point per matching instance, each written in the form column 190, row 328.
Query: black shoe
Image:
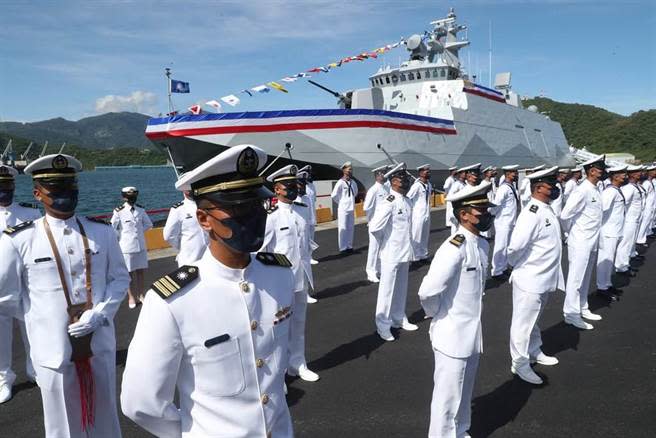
column 616, row 291
column 638, row 257
column 606, row 293
column 628, row 273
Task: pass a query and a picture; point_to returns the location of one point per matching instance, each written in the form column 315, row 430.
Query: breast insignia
column 169, row 284
column 457, row 240
column 98, row 220
column 533, row 208
column 16, row 228
column 177, row 204
column 273, row 259
column 28, row 205
column 390, row 198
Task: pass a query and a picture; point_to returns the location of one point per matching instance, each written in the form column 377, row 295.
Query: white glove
column 88, row 323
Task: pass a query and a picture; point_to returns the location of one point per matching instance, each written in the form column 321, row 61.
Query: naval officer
column 583, row 213
column 375, row 196
column 612, row 224
column 457, row 185
column 183, row 232
column 343, row 195
column 311, row 193
column 12, row 214
column 650, row 202
column 288, row 233
column 505, row 215
column 557, row 204
column 419, row 197
column 525, row 186
column 633, row 201
column 392, row 227
column 572, row 183
column 535, row 252
column 69, row 273
column 130, row 221
column 215, row 334
column 303, row 179
column 451, row 294
column 448, row 182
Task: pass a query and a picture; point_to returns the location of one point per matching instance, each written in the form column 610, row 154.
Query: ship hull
column 489, row 132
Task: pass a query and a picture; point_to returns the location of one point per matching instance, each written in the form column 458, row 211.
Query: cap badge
column 247, row 162
column 59, row 162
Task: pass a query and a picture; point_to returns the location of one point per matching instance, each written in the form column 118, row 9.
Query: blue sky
column 75, row 59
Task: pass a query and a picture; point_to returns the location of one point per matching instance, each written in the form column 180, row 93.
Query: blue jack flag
column 179, row 86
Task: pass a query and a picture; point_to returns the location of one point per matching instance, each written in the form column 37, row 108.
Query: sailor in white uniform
column 215, row 334
column 288, row 233
column 183, row 232
column 557, row 204
column 535, row 253
column 650, row 202
column 311, row 193
column 392, row 227
column 583, row 213
column 505, row 215
column 612, row 224
column 11, row 214
column 419, row 196
column 303, row 179
column 70, row 277
column 446, row 187
column 633, row 199
column 525, row 185
column 343, row 195
column 457, row 185
column 572, row 182
column 130, row 222
column 451, row 294
column 489, row 175
column 375, row 196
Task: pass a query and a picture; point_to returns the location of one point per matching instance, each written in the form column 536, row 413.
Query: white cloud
column 143, row 102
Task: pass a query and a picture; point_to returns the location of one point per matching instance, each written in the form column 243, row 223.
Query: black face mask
column 292, row 193
column 405, row 183
column 131, row 199
column 301, row 190
column 555, row 193
column 485, row 221
column 6, row 197
column 247, row 230
column 64, row 201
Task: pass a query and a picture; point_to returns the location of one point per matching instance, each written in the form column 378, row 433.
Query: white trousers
column 60, row 394
column 451, row 220
column 452, row 393
column 7, row 375
column 606, row 261
column 626, row 246
column 373, row 258
column 525, row 338
column 392, row 293
column 420, row 233
column 645, row 227
column 578, row 280
column 500, row 252
column 345, row 223
column 297, row 330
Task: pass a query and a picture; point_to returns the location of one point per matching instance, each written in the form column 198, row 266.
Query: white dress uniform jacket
column 375, row 196
column 525, row 191
column 450, row 218
column 583, row 211
column 505, row 215
column 29, row 271
column 130, row 223
column 633, row 199
column 183, row 232
column 570, row 185
column 343, row 195
column 649, row 196
column 10, row 216
column 392, row 228
column 612, row 225
column 221, row 342
column 419, row 196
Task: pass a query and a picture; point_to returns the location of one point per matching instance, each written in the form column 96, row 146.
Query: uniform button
column 70, row 250
column 67, row 231
column 259, row 363
column 265, row 399
column 244, row 287
column 253, row 325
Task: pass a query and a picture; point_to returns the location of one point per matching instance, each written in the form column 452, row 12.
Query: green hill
column 602, row 131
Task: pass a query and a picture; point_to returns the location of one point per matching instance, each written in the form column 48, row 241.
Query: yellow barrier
column 155, row 239
column 324, row 215
column 359, row 210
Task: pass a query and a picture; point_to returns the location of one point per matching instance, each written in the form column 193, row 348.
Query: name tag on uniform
column 548, row 224
column 284, row 228
column 127, row 221
column 44, row 259
column 218, row 340
column 188, row 216
column 471, row 269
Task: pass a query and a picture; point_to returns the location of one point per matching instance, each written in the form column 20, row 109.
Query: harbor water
column 100, row 190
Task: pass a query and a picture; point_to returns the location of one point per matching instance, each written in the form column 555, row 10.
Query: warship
column 426, row 110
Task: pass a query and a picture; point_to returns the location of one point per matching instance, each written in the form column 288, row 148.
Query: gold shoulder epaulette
column 177, row 204
column 28, row 205
column 302, row 204
column 533, row 208
column 16, row 228
column 457, row 240
column 390, row 198
column 272, row 209
column 176, row 280
column 98, row 220
column 273, row 259
column 119, row 208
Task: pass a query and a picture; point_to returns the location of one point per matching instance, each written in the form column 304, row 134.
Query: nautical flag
column 395, row 45
column 231, row 100
column 318, row 69
column 289, row 79
column 214, row 104
column 373, row 54
column 333, row 65
column 277, row 86
column 302, row 75
column 179, row 86
column 261, row 89
column 345, row 60
column 195, row 109
column 247, row 92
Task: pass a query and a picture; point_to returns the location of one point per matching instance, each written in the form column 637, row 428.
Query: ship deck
column 604, row 385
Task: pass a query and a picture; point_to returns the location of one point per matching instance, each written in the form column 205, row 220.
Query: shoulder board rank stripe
column 177, row 204
column 273, row 259
column 533, row 208
column 302, row 204
column 457, row 240
column 175, row 281
column 390, row 198
column 16, row 228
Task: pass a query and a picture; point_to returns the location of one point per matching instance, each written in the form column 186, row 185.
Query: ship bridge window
column 402, row 77
column 442, row 73
column 387, row 79
column 395, row 79
column 418, row 75
column 411, row 76
column 435, row 73
column 427, row 74
column 373, row 83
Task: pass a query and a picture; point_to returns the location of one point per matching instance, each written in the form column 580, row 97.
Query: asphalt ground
column 604, row 386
